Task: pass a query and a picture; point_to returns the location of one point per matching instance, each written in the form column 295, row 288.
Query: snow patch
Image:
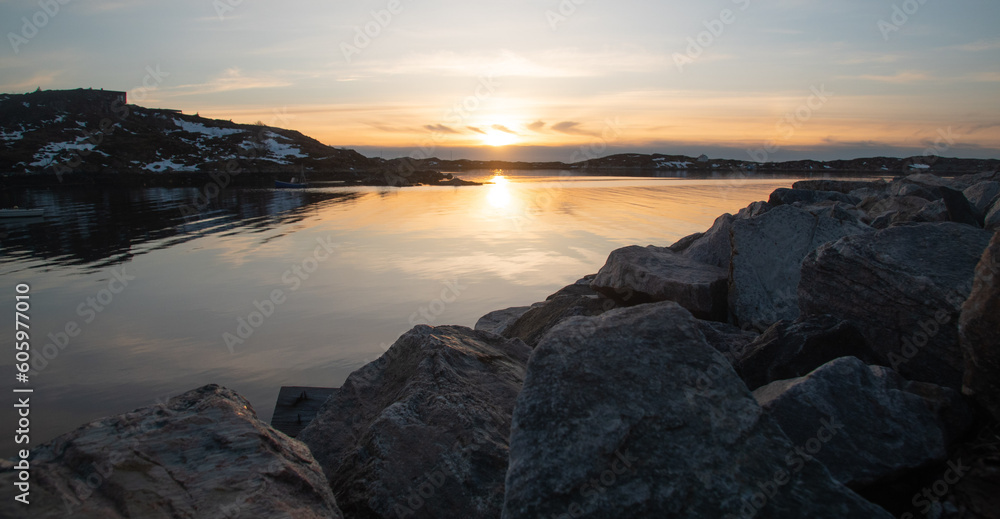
column 211, row 131
column 168, row 165
column 674, row 164
column 11, row 136
column 920, row 166
column 46, row 155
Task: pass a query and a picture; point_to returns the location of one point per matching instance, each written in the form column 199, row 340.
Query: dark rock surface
column 783, row 196
column 422, row 432
column 631, row 414
column 636, row 275
column 540, row 318
column 980, row 332
column 793, row 349
column 729, row 340
column 767, row 256
column 959, row 209
column 982, row 195
column 498, row 321
column 903, row 287
column 713, row 247
column 839, row 186
column 202, row 454
column 886, row 425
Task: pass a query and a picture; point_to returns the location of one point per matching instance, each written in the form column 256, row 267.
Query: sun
column 499, row 138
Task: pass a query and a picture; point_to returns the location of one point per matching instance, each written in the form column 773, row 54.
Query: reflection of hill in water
column 100, row 227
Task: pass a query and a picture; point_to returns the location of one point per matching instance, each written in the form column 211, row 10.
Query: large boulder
column 982, row 195
column 631, row 414
column 793, row 349
column 636, row 275
column 767, row 255
column 422, row 431
column 992, row 220
column 959, row 209
column 498, row 321
column 713, row 247
column 202, row 454
column 980, row 332
column 533, row 324
column 783, row 196
column 903, row 287
column 731, row 341
column 839, row 186
column 887, row 425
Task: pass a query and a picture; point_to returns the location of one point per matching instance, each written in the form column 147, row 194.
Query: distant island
column 94, row 137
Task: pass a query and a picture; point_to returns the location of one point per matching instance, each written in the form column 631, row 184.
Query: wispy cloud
column 908, row 76
column 502, row 128
column 980, row 45
column 440, row 128
column 537, row 126
column 230, row 80
column 570, row 128
column 477, row 130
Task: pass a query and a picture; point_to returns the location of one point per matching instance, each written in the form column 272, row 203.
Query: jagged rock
column 635, row 275
column 202, row 454
column 754, row 209
column 579, row 288
column 906, row 189
column 839, row 186
column 837, row 211
column 958, row 208
column 713, row 248
column 886, row 426
column 727, row 339
column 982, row 195
column 902, row 286
column 788, row 350
column 538, row 320
column 498, row 321
column 893, row 209
column 631, row 414
column 783, row 196
column 767, row 256
column 936, row 211
column 422, row 431
column 685, row 242
column 992, row 220
column 980, row 332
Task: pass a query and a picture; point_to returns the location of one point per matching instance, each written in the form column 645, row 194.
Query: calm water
column 152, row 291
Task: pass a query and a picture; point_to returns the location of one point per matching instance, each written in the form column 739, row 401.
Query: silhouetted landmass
column 93, row 137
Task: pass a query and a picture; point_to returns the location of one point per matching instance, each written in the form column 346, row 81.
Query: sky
column 560, row 80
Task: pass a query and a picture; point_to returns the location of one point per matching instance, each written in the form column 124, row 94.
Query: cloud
column 440, row 128
column 537, row 126
column 502, row 128
column 570, row 128
column 980, row 45
column 908, row 76
column 477, row 130
column 230, row 80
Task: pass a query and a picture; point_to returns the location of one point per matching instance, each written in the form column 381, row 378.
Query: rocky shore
column 831, row 352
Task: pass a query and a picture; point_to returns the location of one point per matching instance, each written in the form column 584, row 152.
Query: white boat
column 21, row 213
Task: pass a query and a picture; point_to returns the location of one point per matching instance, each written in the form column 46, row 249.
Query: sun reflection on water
column 499, row 195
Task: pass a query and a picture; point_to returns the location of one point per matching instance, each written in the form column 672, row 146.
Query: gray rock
column 498, row 321
column 959, row 209
column 788, row 350
column 685, row 242
column 902, row 287
column 202, row 454
column 783, row 196
column 714, row 247
column 992, row 221
column 637, row 275
column 840, row 186
column 905, row 189
column 886, row 425
column 422, row 431
column 540, row 318
column 579, row 288
column 838, row 211
column 936, row 211
column 753, row 210
column 767, row 256
column 982, row 195
column 897, row 209
column 631, row 414
column 727, row 339
column 980, row 332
